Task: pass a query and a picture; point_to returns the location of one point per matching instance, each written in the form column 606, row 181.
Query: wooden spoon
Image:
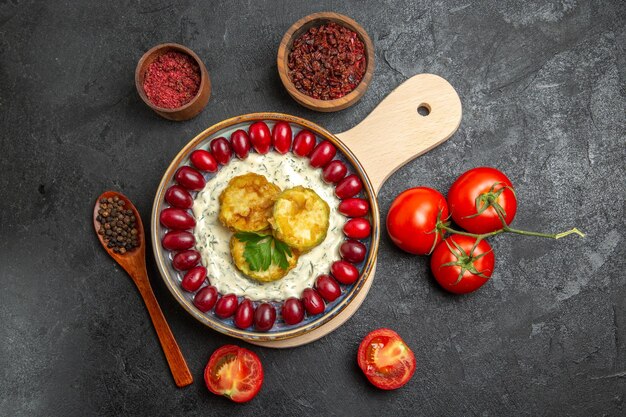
column 134, row 263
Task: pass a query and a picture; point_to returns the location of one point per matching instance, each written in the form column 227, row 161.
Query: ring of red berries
column 178, row 221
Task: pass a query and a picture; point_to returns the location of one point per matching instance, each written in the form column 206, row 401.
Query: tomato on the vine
column 461, row 264
column 479, row 198
column 235, row 373
column 413, row 217
column 385, row 359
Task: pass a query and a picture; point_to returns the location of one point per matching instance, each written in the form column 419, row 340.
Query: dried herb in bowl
column 327, row 62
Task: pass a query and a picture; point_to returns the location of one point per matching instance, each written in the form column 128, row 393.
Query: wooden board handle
column 390, row 136
column 395, row 132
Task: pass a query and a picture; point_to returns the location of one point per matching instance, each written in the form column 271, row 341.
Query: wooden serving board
column 390, row 136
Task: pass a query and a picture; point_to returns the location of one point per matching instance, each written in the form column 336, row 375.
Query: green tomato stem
column 547, row 235
column 507, row 229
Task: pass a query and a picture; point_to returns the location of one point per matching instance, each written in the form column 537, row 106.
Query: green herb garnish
column 262, row 250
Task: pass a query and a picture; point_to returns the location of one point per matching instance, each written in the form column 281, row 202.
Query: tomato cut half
column 387, row 362
column 234, row 372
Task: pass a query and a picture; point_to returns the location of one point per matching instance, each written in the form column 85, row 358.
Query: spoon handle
column 176, row 361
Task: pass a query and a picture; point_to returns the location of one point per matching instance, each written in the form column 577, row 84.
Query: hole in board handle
column 423, row 109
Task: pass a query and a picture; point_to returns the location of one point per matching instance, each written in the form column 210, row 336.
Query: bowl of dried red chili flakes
column 326, row 61
column 173, row 81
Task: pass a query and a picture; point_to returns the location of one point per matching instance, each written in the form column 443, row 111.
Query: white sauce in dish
column 213, row 239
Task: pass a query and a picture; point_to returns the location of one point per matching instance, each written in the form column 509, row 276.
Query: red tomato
column 412, row 219
column 234, row 372
column 477, row 196
column 460, row 266
column 281, row 135
column 385, row 359
column 260, row 137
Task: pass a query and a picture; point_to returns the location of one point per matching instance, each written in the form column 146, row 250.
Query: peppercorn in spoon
column 120, row 231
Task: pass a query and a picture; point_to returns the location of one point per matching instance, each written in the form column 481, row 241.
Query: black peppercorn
column 117, row 225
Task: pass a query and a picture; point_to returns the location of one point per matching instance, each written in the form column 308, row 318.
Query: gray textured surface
column 544, row 96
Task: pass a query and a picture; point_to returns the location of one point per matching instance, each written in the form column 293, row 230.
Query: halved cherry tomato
column 234, row 372
column 460, row 265
column 385, row 359
column 412, row 219
column 478, row 199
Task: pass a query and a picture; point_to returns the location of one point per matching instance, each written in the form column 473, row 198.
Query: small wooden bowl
column 193, row 107
column 297, row 29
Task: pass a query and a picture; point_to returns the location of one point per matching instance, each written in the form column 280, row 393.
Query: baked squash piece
column 273, row 273
column 246, row 203
column 300, row 218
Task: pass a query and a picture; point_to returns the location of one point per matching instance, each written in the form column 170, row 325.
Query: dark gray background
column 544, row 99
